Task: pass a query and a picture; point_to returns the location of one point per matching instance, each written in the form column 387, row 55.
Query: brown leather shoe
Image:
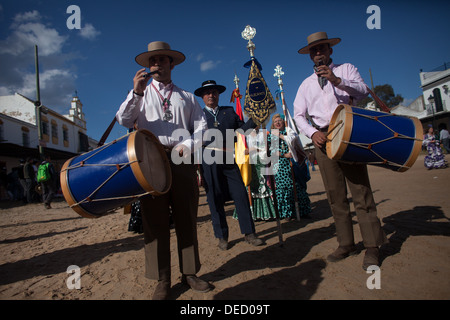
column 196, row 283
column 162, row 290
column 371, row 258
column 253, row 239
column 342, row 253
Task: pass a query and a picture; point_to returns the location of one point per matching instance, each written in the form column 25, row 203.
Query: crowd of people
column 162, row 107
column 23, row 184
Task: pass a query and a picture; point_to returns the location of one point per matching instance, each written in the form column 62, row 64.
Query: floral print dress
column 434, row 159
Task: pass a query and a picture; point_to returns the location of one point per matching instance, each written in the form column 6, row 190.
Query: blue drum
column 372, row 137
column 115, row 174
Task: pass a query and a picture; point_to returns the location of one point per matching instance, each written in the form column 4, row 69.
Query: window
column 45, row 129
column 54, row 132
column 438, row 107
column 25, row 137
column 65, row 136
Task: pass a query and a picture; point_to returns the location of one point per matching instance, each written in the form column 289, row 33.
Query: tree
column 386, row 93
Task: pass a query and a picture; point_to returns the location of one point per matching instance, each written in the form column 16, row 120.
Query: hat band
column 209, row 84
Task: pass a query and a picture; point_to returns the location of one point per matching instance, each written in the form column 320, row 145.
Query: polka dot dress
column 283, row 183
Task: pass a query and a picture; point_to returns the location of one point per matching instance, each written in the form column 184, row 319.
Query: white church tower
column 76, row 112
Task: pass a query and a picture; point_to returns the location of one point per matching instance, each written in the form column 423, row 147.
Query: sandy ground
column 38, row 245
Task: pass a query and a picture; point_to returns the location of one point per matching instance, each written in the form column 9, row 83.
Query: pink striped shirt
column 320, row 104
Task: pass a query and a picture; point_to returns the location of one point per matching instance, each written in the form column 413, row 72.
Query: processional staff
column 278, row 73
column 259, row 105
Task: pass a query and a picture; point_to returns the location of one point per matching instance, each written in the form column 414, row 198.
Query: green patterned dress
column 262, row 202
column 283, row 183
column 262, row 206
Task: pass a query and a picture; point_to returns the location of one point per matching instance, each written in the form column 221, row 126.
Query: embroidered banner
column 258, row 103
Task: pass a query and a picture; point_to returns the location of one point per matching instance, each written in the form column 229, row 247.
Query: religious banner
column 258, row 103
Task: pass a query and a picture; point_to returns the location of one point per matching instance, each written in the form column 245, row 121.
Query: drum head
column 150, row 164
column 339, row 132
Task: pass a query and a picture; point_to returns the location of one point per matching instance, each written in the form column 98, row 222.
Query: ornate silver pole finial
column 278, row 73
column 236, row 80
column 248, row 34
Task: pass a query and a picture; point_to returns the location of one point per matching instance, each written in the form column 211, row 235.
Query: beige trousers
column 336, row 175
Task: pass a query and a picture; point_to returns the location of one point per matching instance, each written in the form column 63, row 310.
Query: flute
column 149, row 74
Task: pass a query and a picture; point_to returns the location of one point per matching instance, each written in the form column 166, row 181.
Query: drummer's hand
column 140, row 83
column 319, row 139
column 326, row 72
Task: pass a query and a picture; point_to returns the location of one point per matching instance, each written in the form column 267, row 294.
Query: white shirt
column 444, row 134
column 147, row 112
column 320, row 104
column 213, row 111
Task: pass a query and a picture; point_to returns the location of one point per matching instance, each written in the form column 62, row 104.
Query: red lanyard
column 165, row 101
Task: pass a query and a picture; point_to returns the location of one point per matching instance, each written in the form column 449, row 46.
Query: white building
column 436, row 85
column 433, row 106
column 62, row 136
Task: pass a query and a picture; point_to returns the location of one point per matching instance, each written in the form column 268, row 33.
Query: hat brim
column 332, row 42
column 199, row 91
column 143, row 58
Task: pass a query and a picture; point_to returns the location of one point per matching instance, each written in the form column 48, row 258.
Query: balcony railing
column 431, row 108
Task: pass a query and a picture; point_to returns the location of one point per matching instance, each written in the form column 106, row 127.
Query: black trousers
column 224, row 181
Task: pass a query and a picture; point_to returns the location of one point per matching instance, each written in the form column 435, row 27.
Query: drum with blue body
column 373, row 137
column 116, row 174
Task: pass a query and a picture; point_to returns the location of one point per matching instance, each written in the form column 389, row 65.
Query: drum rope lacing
column 119, row 167
column 368, row 146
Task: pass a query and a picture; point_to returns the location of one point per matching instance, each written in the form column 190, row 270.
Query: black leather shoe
column 253, row 239
column 196, row 283
column 223, row 244
column 162, row 290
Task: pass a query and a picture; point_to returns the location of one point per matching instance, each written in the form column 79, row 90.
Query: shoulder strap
column 106, row 134
column 382, row 105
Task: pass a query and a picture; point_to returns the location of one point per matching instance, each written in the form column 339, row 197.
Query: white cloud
column 89, row 32
column 27, row 17
column 199, row 57
column 208, row 65
column 29, row 31
column 57, row 83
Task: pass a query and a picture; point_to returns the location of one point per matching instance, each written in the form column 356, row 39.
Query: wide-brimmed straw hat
column 208, row 84
column 318, row 38
column 159, row 48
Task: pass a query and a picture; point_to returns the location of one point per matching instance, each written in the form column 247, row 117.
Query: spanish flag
column 240, row 148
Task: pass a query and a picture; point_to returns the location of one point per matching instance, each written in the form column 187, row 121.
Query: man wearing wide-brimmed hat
column 319, row 95
column 161, row 107
column 223, row 180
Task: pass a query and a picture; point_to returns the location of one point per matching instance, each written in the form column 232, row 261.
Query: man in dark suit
column 221, row 174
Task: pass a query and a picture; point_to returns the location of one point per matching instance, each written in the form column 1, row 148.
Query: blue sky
column 98, row 60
